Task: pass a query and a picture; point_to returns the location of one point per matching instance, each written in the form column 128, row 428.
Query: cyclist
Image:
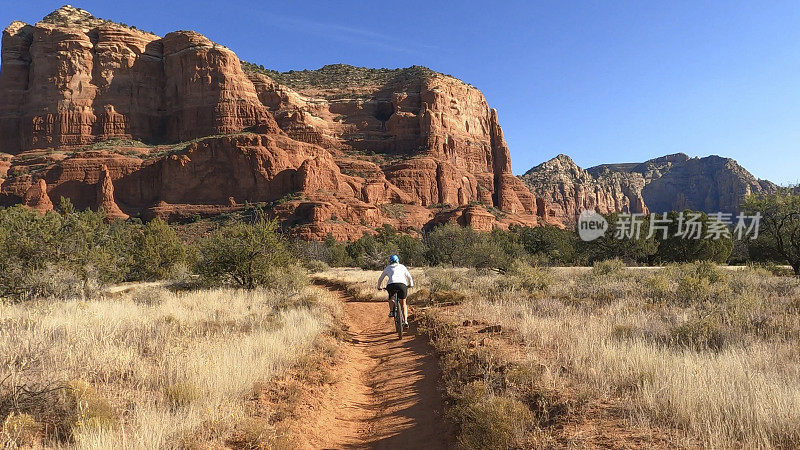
column 398, row 281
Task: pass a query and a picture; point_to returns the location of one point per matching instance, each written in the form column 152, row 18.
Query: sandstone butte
column 139, row 125
column 669, row 183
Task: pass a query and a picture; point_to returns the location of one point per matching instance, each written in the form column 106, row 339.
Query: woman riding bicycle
column 399, row 280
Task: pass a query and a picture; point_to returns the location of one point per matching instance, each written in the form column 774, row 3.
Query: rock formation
column 672, row 182
column 36, row 197
column 116, row 118
column 105, row 196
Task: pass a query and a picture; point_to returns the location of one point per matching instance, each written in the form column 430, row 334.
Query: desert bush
column 779, row 235
column 156, row 252
column 59, row 283
column 150, row 296
column 609, row 268
column 289, row 279
column 182, row 394
column 242, row 254
column 701, row 281
column 420, row 296
column 658, row 286
column 337, row 253
column 609, row 246
column 80, row 251
column 316, row 266
column 59, row 410
column 455, row 246
column 705, row 333
column 78, row 243
column 329, row 251
column 20, row 430
column 487, row 416
column 557, row 245
column 440, row 279
column 372, row 251
column 490, row 421
column 676, row 248
column 447, row 297
column 524, row 277
column 774, row 269
column 693, row 288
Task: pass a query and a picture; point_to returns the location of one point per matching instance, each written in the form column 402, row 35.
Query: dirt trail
column 386, row 395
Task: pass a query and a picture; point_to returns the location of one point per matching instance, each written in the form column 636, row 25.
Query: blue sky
column 601, row 81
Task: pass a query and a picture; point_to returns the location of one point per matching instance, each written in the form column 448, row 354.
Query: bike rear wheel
column 398, row 316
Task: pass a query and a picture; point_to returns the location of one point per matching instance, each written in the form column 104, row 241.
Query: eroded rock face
column 669, row 183
column 36, row 197
column 707, row 184
column 72, row 80
column 105, row 196
column 116, row 118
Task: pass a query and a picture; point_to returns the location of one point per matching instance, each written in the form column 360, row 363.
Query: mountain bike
column 399, row 314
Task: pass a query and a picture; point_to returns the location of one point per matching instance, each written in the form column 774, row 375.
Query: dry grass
column 361, row 284
column 708, row 354
column 150, row 368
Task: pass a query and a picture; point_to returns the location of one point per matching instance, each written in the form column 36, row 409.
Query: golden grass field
column 149, row 368
column 691, row 355
column 684, row 356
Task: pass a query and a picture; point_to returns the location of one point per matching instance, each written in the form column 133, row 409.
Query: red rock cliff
column 116, row 118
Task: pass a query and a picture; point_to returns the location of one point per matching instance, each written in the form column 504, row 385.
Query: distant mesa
column 671, row 182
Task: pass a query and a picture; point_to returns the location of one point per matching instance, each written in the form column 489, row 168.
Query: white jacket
column 396, row 273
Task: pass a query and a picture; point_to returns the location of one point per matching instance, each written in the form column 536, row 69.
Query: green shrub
column 658, row 286
column 705, row 333
column 557, row 245
column 242, row 254
column 81, row 244
column 157, row 250
column 708, row 270
column 699, row 282
column 676, row 248
column 631, row 250
column 316, row 266
column 529, row 278
column 693, row 288
column 490, row 421
column 780, row 227
column 372, row 251
column 290, row 279
column 609, row 268
column 455, row 246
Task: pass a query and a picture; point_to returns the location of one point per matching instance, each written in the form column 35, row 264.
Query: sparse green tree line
column 73, row 252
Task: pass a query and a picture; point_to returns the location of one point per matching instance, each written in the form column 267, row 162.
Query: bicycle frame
column 399, row 314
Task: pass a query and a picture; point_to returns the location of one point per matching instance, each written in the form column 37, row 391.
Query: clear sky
column 601, row 81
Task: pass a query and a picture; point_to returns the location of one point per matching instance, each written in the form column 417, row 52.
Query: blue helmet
column 394, row 259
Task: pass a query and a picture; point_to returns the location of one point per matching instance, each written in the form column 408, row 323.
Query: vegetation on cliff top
column 341, row 75
column 69, row 16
